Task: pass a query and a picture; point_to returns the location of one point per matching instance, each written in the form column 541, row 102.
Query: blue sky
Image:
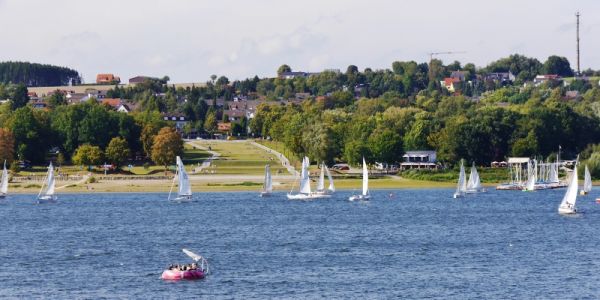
column 190, row 40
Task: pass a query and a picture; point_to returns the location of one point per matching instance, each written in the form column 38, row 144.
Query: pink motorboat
column 197, row 270
column 179, row 275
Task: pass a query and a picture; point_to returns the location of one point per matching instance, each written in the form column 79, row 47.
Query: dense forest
column 378, row 114
column 32, row 74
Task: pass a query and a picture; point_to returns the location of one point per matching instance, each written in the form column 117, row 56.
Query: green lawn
column 241, row 158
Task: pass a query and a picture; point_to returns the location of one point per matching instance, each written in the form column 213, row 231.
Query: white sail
column 268, row 184
column 185, row 189
column 474, row 183
column 365, row 188
column 4, row 182
column 304, row 177
column 553, row 177
column 50, row 181
column 587, row 183
column 321, row 182
column 192, row 255
column 331, row 187
column 567, row 205
column 531, row 178
column 461, row 187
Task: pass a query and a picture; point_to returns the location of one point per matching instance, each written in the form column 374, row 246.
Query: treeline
column 33, row 74
column 382, row 129
column 85, row 133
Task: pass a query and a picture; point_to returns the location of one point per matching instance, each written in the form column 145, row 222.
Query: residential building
column 539, row 79
column 501, row 77
column 419, row 160
column 107, row 79
column 177, row 118
column 292, row 75
column 450, row 84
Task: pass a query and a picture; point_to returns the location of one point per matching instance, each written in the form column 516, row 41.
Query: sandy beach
column 214, row 183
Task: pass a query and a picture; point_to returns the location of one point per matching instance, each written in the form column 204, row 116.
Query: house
column 124, row 108
column 139, row 79
column 107, row 79
column 572, row 95
column 39, row 104
column 112, row 102
column 450, row 84
column 219, row 103
column 500, row 77
column 460, row 75
column 539, row 79
column 177, row 118
column 292, row 75
column 235, row 115
column 419, row 160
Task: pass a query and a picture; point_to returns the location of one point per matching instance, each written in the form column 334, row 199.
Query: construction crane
column 432, row 54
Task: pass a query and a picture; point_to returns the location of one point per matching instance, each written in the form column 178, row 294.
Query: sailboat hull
column 182, row 198
column 2, row 196
column 47, row 199
column 310, row 196
column 265, row 194
column 359, row 198
column 566, row 211
column 583, row 193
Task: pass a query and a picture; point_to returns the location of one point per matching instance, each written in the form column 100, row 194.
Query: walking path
column 285, row 162
column 206, row 163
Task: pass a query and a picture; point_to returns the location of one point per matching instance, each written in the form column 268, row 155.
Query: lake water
column 418, row 244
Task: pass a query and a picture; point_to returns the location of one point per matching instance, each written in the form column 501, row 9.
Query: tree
column 31, row 133
column 7, row 146
column 19, row 96
column 57, row 99
column 167, row 145
column 87, row 155
column 210, row 123
column 557, row 65
column 117, row 151
column 283, row 69
column 147, row 137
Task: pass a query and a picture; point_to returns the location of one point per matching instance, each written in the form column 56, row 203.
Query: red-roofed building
column 107, row 79
column 112, row 102
column 450, row 83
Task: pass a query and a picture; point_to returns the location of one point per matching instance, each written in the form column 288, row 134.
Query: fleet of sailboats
column 46, row 194
column 184, row 191
column 305, row 192
column 4, row 182
column 268, row 183
column 364, row 196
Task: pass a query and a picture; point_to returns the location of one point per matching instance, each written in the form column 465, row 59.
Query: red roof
column 112, row 102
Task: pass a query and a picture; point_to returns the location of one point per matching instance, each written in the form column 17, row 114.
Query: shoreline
column 221, row 183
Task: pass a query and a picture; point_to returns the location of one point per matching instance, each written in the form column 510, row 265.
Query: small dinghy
column 196, row 270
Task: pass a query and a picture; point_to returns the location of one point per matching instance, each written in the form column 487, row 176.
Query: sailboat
column 461, row 187
column 268, row 183
column 474, row 183
column 184, row 192
column 305, row 192
column 531, row 178
column 47, row 195
column 587, row 182
column 321, row 183
column 4, row 182
column 567, row 206
column 365, row 185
